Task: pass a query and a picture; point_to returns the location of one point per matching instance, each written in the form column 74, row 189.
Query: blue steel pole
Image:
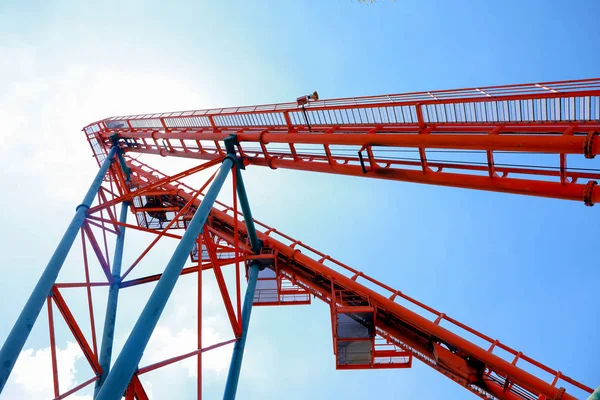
column 235, row 367
column 18, row 335
column 111, row 304
column 126, row 364
column 241, row 190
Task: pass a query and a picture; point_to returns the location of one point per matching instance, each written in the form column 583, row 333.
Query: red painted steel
column 199, row 324
column 76, row 330
column 76, row 388
column 552, row 117
column 53, row 349
column 236, row 245
column 96, row 247
column 392, row 137
column 178, row 215
column 233, row 319
column 222, row 258
column 152, row 367
column 89, row 293
column 495, row 367
column 135, row 390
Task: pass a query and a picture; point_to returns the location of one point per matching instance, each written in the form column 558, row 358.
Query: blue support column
column 18, row 335
column 111, row 304
column 235, row 367
column 126, row 364
column 241, row 190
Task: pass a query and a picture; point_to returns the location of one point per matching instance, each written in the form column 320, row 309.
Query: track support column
column 235, row 367
column 111, row 304
column 20, row 332
column 126, row 364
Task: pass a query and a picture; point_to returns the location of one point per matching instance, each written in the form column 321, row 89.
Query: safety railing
column 485, row 92
column 493, row 346
column 564, row 101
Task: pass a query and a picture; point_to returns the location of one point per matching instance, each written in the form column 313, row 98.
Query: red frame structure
column 360, row 137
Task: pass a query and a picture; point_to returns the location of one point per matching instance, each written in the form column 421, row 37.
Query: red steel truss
column 372, row 137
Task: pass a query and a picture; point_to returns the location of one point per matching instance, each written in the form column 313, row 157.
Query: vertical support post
column 199, row 383
column 89, row 292
column 22, row 328
column 235, row 367
column 126, row 364
column 241, row 191
column 111, row 304
column 236, row 245
column 107, row 256
column 53, row 348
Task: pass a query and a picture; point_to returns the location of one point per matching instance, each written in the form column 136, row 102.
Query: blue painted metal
column 595, row 395
column 235, row 367
column 111, row 304
column 241, row 190
column 18, row 335
column 126, row 364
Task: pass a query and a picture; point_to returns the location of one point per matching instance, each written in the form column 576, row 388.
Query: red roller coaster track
column 393, row 137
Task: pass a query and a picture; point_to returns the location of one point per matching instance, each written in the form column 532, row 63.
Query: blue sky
column 516, row 268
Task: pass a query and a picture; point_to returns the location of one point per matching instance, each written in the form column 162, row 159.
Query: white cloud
column 166, row 344
column 148, row 389
column 32, row 373
column 42, row 115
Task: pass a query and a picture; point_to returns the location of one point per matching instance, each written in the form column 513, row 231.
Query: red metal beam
column 253, row 157
column 540, row 188
column 97, row 225
column 139, row 228
column 135, row 390
column 80, row 284
column 538, row 138
column 53, row 349
column 96, row 247
column 157, row 184
column 155, row 277
column 400, row 170
column 152, row 367
column 76, row 388
column 501, row 366
column 236, row 245
column 182, row 212
column 106, row 255
column 524, row 126
column 199, row 322
column 514, row 373
column 235, row 323
column 111, row 215
column 76, row 331
column 89, row 293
